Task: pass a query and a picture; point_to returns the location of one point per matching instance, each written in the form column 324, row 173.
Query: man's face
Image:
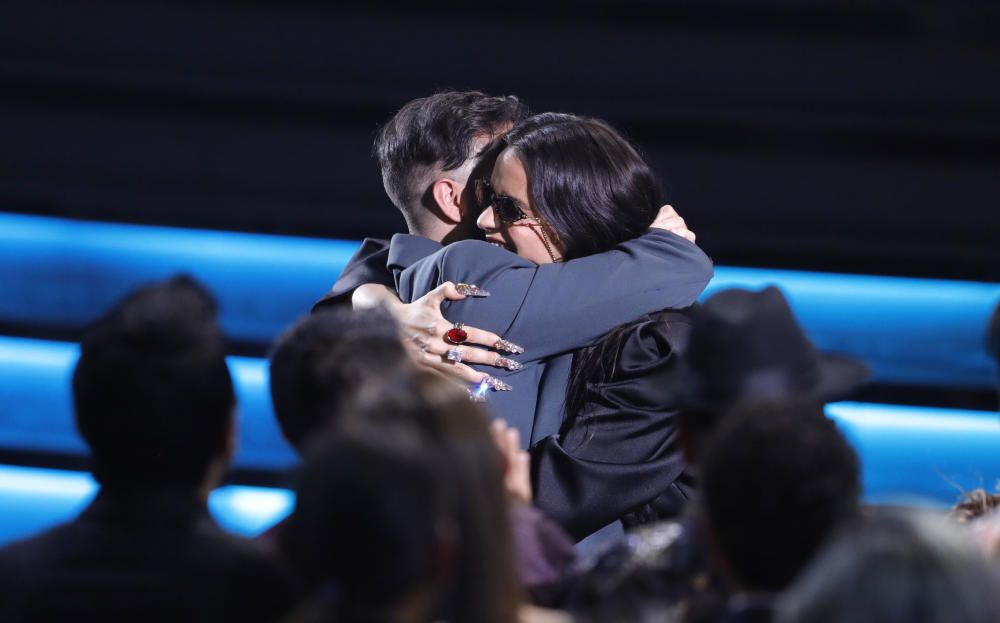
column 476, row 167
column 479, row 166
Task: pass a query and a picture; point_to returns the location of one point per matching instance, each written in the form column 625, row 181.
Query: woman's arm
column 556, row 308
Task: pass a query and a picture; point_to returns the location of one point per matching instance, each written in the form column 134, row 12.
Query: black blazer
column 151, row 557
column 367, row 265
column 619, row 456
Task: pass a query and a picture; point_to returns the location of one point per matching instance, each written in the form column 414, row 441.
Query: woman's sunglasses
column 505, row 208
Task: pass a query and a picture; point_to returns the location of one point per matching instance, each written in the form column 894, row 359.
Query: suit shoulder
column 482, row 252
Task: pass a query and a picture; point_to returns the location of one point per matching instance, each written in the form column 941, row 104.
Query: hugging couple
column 543, row 267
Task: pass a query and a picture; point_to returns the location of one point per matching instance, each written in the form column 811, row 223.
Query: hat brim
column 838, row 376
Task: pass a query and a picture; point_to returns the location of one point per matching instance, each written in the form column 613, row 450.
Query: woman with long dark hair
column 575, row 202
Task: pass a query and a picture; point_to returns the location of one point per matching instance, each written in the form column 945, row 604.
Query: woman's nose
column 486, row 220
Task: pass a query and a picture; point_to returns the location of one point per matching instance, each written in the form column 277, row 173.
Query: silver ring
column 455, row 354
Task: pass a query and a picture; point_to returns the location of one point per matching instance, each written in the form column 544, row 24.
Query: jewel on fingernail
column 471, row 289
column 508, row 347
column 510, row 364
column 496, row 384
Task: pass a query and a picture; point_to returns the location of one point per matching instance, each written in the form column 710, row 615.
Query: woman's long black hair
column 594, row 191
column 586, row 181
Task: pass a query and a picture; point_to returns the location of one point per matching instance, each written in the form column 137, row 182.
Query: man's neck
column 443, row 233
column 433, row 230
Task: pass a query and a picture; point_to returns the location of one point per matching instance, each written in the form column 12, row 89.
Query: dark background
column 848, row 136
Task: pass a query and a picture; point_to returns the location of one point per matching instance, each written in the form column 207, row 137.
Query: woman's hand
column 670, row 220
column 516, row 462
column 424, row 329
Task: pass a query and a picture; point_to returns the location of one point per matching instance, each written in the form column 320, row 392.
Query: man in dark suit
column 154, row 401
column 427, row 153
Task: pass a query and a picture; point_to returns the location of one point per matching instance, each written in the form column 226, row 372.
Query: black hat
column 747, row 347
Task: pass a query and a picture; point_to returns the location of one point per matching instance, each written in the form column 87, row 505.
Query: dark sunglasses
column 505, row 208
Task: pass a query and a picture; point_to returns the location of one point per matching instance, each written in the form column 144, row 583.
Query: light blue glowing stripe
column 921, row 453
column 36, row 404
column 910, row 455
column 910, row 331
column 906, row 451
column 61, row 273
column 34, row 499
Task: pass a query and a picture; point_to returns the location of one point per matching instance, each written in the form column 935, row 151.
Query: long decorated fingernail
column 510, row 364
column 477, row 394
column 508, row 347
column 471, row 289
column 497, row 385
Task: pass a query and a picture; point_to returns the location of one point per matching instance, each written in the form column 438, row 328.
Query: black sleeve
column 621, row 451
column 367, row 265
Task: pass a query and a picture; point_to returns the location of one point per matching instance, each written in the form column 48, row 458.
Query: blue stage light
column 907, row 451
column 61, row 273
column 921, row 454
column 909, row 455
column 36, row 408
column 910, row 331
column 35, row 499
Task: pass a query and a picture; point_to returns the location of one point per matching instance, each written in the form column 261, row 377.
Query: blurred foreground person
column 372, row 535
column 154, row 401
column 895, row 568
column 401, row 515
column 320, row 366
column 327, row 362
column 974, row 505
column 979, row 512
column 323, row 363
column 745, row 349
column 776, row 483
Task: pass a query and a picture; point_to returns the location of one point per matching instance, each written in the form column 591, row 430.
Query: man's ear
column 447, row 194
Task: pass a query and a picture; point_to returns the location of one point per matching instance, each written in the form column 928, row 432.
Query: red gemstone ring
column 457, row 334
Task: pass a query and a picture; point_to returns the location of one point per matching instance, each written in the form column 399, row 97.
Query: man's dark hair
column 325, row 361
column 586, row 181
column 153, row 396
column 437, row 132
column 776, row 481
